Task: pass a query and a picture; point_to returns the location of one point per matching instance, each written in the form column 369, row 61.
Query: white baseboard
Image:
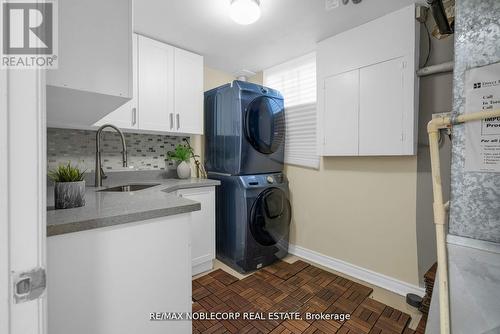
column 202, row 267
column 380, row 280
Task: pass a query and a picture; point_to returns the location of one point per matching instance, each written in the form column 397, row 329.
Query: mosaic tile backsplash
column 145, row 151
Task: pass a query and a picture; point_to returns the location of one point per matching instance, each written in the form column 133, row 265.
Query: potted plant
column 182, row 154
column 69, row 186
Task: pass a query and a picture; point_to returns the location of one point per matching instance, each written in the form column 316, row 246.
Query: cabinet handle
column 171, row 120
column 134, row 116
column 178, row 121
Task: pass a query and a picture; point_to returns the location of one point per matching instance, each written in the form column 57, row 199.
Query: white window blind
column 296, row 80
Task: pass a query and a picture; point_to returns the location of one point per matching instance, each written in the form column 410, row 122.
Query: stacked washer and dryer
column 244, row 149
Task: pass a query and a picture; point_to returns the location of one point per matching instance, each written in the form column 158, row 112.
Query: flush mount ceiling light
column 245, row 11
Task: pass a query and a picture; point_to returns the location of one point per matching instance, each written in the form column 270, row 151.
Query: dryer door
column 270, row 217
column 265, row 124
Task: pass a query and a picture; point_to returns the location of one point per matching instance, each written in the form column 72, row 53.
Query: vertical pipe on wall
column 440, row 223
column 433, row 128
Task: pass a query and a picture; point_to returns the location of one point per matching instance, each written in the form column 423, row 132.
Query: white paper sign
column 482, row 141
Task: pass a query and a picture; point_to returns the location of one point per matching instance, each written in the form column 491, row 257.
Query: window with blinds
column 296, row 80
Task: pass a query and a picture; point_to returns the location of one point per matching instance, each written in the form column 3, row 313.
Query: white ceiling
column 287, row 28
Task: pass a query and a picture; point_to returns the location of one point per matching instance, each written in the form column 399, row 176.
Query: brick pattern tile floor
column 296, row 287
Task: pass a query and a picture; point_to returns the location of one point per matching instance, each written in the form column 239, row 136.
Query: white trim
column 42, row 191
column 25, row 131
column 4, row 208
column 202, row 259
column 202, row 267
column 366, row 275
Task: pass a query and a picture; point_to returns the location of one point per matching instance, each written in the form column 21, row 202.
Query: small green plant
column 66, row 173
column 181, row 153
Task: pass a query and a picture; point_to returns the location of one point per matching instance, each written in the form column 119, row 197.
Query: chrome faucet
column 99, row 172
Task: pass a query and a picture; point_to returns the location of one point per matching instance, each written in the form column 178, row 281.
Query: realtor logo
column 29, row 38
column 477, row 85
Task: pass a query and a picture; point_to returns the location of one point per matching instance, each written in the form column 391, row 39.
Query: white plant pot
column 184, row 170
column 69, row 195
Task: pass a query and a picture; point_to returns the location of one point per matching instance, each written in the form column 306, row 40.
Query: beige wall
column 214, row 78
column 360, row 210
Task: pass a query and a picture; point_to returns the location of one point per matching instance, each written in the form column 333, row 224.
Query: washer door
column 265, row 124
column 270, row 217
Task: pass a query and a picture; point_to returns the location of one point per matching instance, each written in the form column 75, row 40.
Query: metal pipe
column 434, row 69
column 439, row 14
column 433, row 128
column 99, row 173
column 440, row 223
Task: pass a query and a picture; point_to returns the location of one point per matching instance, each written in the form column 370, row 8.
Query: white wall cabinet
column 341, row 114
column 156, row 85
column 168, row 91
column 94, row 76
column 188, row 89
column 202, row 228
column 108, row 280
column 126, row 116
column 368, row 88
column 381, row 108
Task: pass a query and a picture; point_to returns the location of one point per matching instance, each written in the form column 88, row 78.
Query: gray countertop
column 104, row 209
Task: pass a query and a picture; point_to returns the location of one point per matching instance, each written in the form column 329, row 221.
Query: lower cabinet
column 202, row 228
column 109, row 280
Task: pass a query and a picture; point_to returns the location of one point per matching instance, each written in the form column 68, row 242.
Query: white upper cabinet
column 126, row 116
column 167, row 91
column 381, row 106
column 94, row 76
column 188, row 85
column 156, row 85
column 341, row 103
column 368, row 88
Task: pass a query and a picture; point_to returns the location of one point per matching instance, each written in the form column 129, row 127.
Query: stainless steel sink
column 129, row 187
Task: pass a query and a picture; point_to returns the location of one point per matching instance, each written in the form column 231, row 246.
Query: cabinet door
column 202, row 228
column 107, row 280
column 341, row 111
column 155, row 85
column 126, row 116
column 381, row 108
column 188, row 85
column 94, row 47
column 94, row 74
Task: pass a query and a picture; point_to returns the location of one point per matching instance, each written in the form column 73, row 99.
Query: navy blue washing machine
column 252, row 219
column 244, row 129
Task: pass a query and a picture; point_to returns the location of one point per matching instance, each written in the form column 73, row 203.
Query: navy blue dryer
column 244, row 129
column 252, row 219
